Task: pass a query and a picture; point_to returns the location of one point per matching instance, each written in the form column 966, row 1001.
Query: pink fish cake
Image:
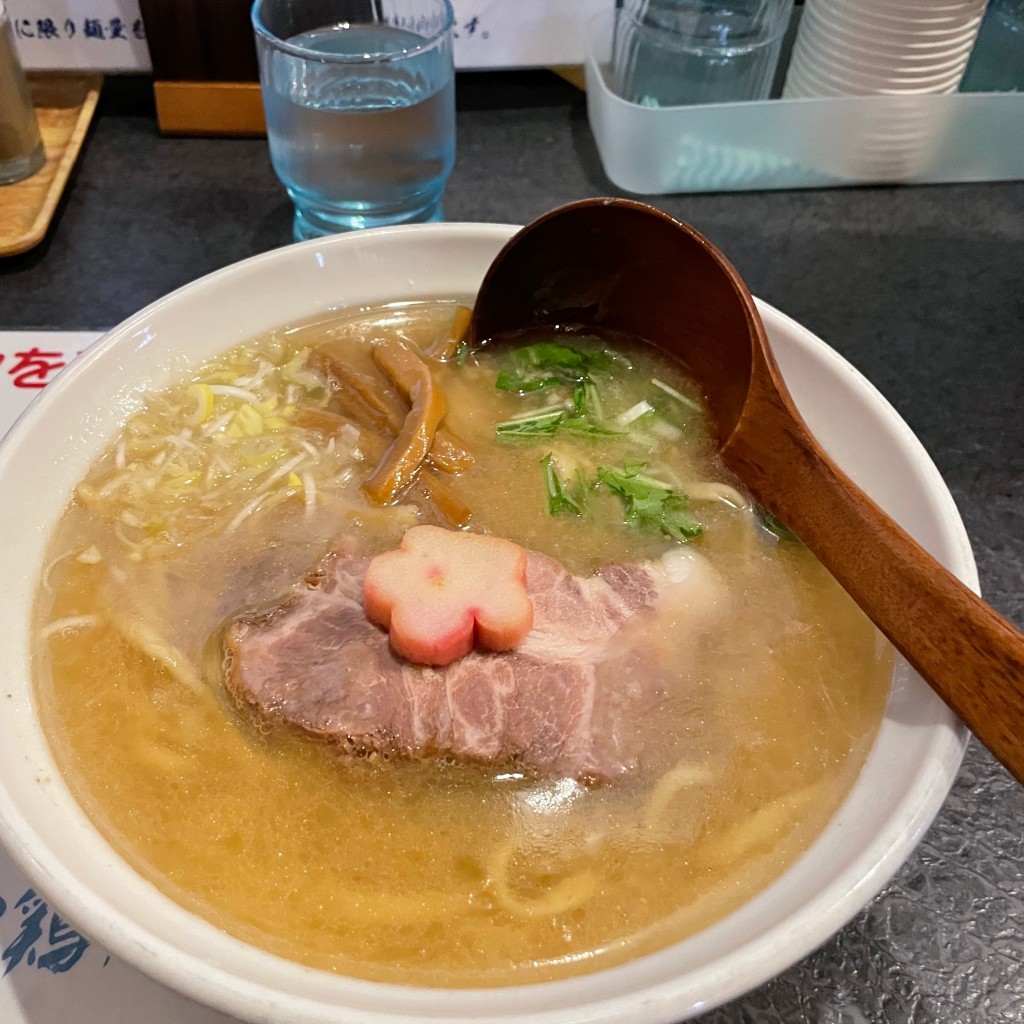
column 442, row 592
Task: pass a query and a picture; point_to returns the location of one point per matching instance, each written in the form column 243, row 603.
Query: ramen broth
column 434, row 872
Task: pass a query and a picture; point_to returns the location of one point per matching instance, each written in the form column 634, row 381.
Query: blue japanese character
column 46, row 29
column 471, row 25
column 69, row 28
column 138, row 29
column 23, row 29
column 116, row 29
column 22, row 946
column 66, row 947
column 93, row 28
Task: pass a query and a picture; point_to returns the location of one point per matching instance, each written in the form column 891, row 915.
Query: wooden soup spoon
column 613, row 264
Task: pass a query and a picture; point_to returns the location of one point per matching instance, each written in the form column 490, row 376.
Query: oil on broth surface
column 435, row 872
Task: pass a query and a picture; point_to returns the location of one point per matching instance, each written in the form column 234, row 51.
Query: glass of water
column 678, row 52
column 359, row 97
column 21, row 148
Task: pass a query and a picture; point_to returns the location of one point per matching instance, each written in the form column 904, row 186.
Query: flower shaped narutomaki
column 442, row 592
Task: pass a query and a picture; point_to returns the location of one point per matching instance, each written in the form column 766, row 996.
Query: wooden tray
column 64, row 105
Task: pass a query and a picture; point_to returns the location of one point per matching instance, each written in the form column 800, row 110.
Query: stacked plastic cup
column 882, row 47
column 902, row 53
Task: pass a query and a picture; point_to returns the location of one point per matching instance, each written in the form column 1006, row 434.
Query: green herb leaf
column 650, row 503
column 560, row 498
column 579, row 425
column 509, row 381
column 775, row 526
column 527, row 428
column 547, row 364
column 581, row 395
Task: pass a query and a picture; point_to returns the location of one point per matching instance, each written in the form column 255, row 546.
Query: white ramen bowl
column 907, row 775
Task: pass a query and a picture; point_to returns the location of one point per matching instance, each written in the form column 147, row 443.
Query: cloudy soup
column 654, row 736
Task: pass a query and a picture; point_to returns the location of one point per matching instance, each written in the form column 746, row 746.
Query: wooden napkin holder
column 205, row 76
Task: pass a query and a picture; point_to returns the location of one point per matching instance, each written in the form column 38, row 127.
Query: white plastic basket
column 799, row 143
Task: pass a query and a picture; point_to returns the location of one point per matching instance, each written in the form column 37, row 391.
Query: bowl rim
column 642, row 991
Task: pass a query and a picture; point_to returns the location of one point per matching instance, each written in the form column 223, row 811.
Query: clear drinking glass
column 678, row 52
column 359, row 98
column 997, row 61
column 21, row 149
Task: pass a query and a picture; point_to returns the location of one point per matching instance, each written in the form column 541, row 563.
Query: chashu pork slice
column 575, row 699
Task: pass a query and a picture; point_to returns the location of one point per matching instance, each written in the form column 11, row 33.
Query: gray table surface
column 919, row 287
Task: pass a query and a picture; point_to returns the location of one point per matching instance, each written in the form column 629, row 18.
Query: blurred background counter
column 919, row 287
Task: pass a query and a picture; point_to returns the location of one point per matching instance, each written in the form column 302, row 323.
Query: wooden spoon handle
column 966, row 651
